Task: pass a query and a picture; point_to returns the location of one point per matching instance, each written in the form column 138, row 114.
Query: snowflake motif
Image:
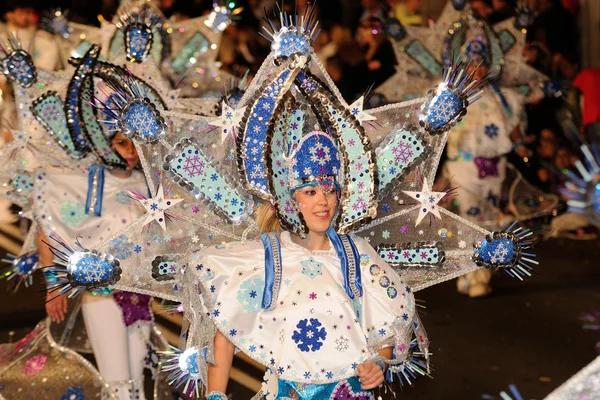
column 320, row 154
column 462, row 244
column 72, row 213
column 121, row 247
column 193, row 166
column 311, row 268
column 342, row 344
column 402, row 152
column 360, row 204
column 73, row 393
column 288, row 209
column 122, row 197
column 137, row 249
column 35, row 365
column 404, row 229
column 310, row 336
column 244, row 294
column 491, row 131
column 500, row 254
column 385, row 234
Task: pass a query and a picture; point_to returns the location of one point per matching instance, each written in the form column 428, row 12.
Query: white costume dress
column 314, row 336
column 118, row 325
column 477, row 147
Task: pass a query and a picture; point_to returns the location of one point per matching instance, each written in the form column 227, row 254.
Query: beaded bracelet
column 216, row 396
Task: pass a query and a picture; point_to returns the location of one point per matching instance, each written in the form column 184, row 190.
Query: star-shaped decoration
column 157, row 206
column 429, row 201
column 356, row 109
column 229, row 120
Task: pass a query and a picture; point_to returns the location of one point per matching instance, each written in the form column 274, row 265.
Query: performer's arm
column 218, row 373
column 56, row 305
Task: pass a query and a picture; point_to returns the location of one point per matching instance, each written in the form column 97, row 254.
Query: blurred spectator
column 378, row 52
column 372, row 9
column 483, row 8
column 587, row 83
column 556, row 28
column 408, row 12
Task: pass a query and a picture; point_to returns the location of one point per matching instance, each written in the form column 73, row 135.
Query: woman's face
column 126, row 149
column 317, row 207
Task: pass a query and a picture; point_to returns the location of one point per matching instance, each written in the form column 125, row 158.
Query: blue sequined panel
column 497, row 251
column 49, row 111
column 88, row 270
column 25, row 264
column 287, row 133
column 444, row 108
column 409, row 255
column 420, row 54
column 507, row 40
column 22, row 182
column 138, row 40
column 347, row 389
column 255, row 133
column 18, row 66
column 141, row 119
column 289, row 41
column 394, row 29
column 196, row 45
column 317, row 156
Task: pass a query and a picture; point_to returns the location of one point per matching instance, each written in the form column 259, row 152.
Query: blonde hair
column 266, row 219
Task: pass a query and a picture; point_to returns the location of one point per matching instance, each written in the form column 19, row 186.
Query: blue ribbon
column 505, row 104
column 267, row 300
column 92, row 171
column 341, row 252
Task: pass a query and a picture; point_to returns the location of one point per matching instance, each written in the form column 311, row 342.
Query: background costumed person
column 73, row 179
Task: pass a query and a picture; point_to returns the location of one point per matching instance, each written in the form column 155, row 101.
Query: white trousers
column 119, row 350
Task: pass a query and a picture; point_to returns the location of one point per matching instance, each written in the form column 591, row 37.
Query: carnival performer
column 77, row 196
column 477, row 150
column 117, row 323
column 331, row 326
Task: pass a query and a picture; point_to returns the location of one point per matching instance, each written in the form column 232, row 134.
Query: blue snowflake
column 138, row 249
column 382, row 332
column 121, row 247
column 252, row 348
column 307, row 375
column 311, row 336
column 244, row 295
column 218, row 196
column 214, row 177
column 154, row 206
column 280, row 370
column 491, row 131
column 385, row 207
column 216, row 313
column 234, row 202
column 329, row 375
column 405, row 317
column 232, row 332
column 212, row 288
column 73, row 393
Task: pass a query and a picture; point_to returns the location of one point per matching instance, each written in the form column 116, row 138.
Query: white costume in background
column 477, row 148
column 60, row 206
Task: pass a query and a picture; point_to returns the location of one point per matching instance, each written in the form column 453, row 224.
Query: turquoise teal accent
column 421, row 55
column 49, row 111
column 192, row 165
column 195, row 46
column 400, row 153
column 327, row 391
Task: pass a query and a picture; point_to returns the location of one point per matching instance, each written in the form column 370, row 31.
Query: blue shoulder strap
column 272, row 269
column 348, row 255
